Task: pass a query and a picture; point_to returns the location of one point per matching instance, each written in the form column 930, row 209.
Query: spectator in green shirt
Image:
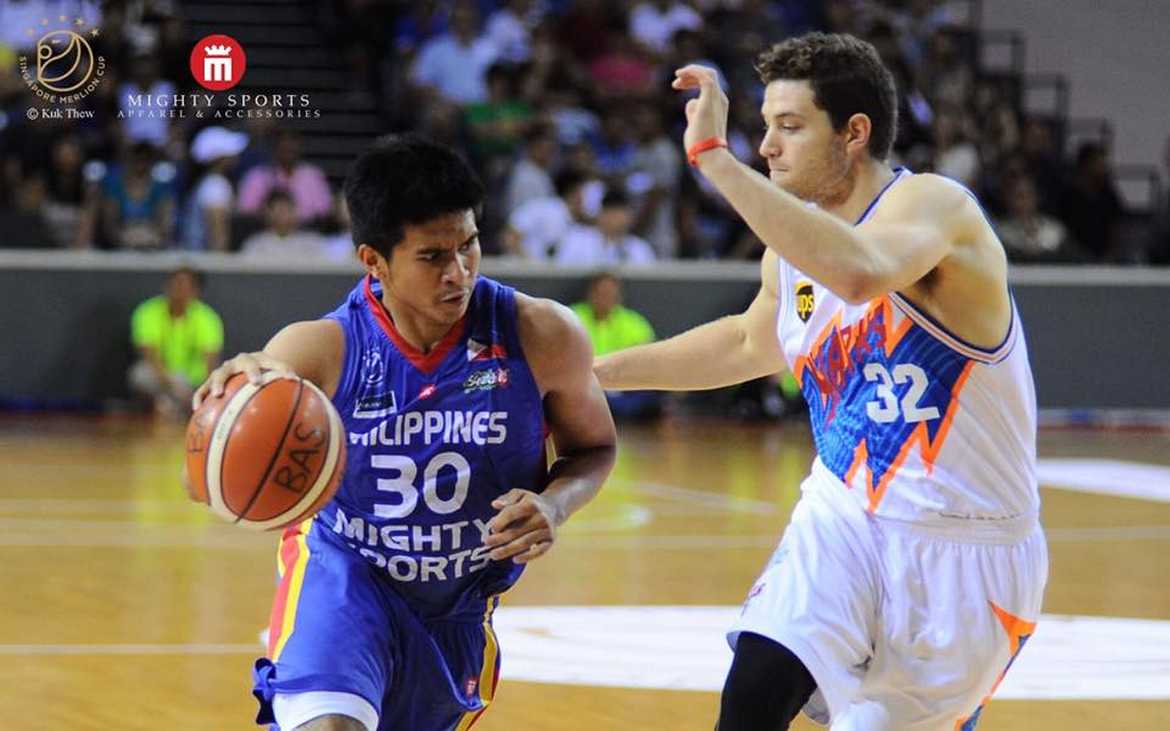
column 612, row 326
column 179, row 340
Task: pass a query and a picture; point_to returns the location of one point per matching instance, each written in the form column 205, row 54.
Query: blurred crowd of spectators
column 564, row 107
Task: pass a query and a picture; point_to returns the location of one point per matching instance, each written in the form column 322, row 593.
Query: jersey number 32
column 888, row 407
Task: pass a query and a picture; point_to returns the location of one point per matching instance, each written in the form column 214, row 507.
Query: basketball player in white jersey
column 913, row 568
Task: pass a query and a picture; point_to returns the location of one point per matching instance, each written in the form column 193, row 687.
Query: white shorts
column 902, row 627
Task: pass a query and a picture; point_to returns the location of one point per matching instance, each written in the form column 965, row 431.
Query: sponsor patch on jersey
column 486, row 380
column 375, row 406
column 804, row 300
column 477, row 351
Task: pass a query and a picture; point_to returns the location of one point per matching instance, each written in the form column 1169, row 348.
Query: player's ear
column 857, row 132
column 370, row 258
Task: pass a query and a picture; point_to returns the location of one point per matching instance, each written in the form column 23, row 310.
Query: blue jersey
column 432, row 440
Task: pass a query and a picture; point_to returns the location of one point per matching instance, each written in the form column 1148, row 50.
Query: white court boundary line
column 684, row 648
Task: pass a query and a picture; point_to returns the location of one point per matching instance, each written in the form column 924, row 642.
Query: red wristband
column 702, row 146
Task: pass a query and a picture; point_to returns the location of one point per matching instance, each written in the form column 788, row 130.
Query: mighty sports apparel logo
column 218, row 62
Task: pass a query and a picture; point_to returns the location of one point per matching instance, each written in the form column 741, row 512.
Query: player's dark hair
column 847, row 77
column 406, row 180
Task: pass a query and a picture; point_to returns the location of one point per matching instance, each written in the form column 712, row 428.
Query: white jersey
column 919, row 425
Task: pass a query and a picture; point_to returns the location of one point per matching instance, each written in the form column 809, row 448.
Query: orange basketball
column 265, row 456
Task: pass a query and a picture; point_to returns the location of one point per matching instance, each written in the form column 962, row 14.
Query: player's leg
column 813, row 614
column 332, row 723
column 962, row 612
column 765, row 688
column 333, row 641
column 448, row 673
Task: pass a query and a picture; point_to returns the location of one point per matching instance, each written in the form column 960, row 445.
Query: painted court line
column 683, row 648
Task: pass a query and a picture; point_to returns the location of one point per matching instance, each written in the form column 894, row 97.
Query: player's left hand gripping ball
column 524, row 529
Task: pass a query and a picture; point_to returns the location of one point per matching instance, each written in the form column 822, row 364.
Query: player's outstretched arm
column 721, row 353
column 912, row 232
column 312, row 350
column 560, row 356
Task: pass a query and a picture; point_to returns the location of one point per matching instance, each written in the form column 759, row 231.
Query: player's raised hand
column 251, row 365
column 524, row 529
column 707, row 113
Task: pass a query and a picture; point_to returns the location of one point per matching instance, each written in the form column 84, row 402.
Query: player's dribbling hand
column 524, row 529
column 250, row 364
column 707, row 113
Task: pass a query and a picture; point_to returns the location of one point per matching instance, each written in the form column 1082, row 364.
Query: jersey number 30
column 887, row 408
column 403, row 483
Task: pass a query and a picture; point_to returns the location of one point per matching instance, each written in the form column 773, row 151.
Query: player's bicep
column 912, row 234
column 575, row 406
column 560, row 355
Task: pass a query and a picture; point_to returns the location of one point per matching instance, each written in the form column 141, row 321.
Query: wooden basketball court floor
column 126, row 607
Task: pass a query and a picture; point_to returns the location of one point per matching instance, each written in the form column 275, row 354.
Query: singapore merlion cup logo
column 63, row 67
column 218, row 62
column 65, row 61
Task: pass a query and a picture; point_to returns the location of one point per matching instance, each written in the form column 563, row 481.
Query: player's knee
column 332, row 722
column 766, row 686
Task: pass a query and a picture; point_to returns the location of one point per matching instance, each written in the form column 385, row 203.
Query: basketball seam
column 334, row 456
column 207, row 454
column 292, row 416
column 223, row 508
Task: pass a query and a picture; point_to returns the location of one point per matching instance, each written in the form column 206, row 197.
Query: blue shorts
column 339, row 625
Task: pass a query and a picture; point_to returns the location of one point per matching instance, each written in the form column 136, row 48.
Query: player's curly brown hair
column 847, row 77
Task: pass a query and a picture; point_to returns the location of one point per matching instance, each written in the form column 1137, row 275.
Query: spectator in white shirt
column 530, row 177
column 454, row 63
column 281, row 237
column 610, row 242
column 653, row 23
column 536, row 228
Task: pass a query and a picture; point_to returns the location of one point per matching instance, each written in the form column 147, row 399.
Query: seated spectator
column 179, row 339
column 653, row 23
column 508, row 30
column 1090, row 205
column 612, row 326
column 142, row 123
column 535, row 229
column 207, row 220
column 532, row 175
column 24, row 225
column 1029, row 235
column 609, row 242
column 658, row 158
column 69, row 208
column 304, row 181
column 339, row 243
column 138, row 203
column 453, row 64
column 498, row 124
column 955, row 155
column 281, row 237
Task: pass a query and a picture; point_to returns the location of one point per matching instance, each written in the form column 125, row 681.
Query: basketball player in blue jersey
column 913, row 568
column 447, row 383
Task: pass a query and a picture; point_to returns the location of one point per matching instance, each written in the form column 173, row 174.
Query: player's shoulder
column 916, row 193
column 554, row 340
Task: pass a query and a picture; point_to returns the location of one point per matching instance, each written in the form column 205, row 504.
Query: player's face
column 805, row 156
column 433, row 268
